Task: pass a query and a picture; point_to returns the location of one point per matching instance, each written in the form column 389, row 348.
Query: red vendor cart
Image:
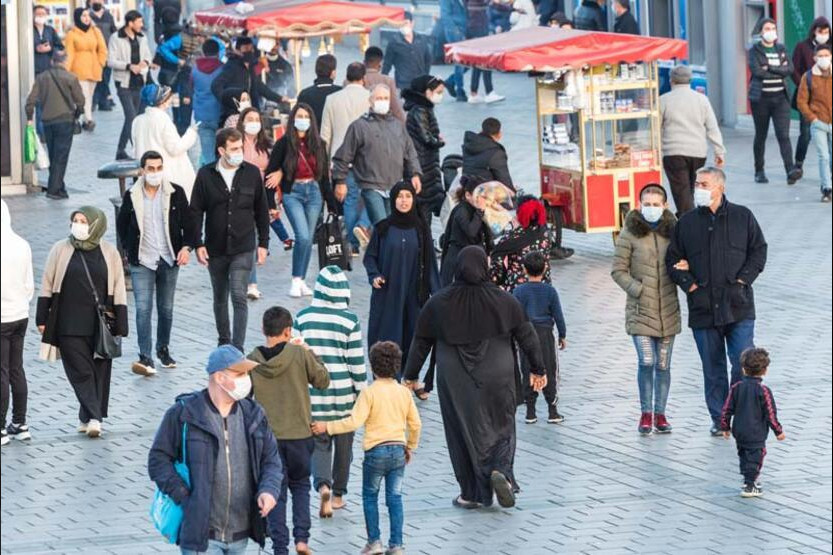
column 597, row 106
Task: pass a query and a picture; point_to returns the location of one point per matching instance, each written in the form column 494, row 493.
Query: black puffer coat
column 424, row 131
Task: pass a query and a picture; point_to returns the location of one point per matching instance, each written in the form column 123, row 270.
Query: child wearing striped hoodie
column 333, row 333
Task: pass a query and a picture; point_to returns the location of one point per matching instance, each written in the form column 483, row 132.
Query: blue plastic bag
column 164, row 512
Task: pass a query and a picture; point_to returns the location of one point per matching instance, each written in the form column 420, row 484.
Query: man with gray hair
column 688, row 127
column 381, row 153
column 58, row 93
column 717, row 251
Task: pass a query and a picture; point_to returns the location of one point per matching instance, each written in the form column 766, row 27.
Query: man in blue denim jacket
column 232, row 457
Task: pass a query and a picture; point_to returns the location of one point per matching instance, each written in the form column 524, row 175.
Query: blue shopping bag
column 164, row 512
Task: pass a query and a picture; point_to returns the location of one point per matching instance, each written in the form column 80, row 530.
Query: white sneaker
column 82, row 428
column 295, row 290
column 4, row 438
column 253, row 292
column 93, row 428
column 305, row 290
column 476, row 99
column 493, row 97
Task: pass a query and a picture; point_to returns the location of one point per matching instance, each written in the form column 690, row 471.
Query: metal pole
column 727, row 35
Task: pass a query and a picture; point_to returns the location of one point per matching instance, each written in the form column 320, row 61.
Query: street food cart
column 298, row 21
column 597, row 107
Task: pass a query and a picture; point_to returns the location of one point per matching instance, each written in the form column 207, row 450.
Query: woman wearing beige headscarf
column 69, row 321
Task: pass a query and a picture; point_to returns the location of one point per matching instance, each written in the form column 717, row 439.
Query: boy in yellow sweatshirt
column 386, row 409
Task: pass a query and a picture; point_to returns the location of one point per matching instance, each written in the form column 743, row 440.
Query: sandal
column 421, row 394
column 503, row 490
column 463, row 504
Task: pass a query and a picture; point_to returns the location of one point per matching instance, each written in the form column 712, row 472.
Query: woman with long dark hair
column 300, row 168
column 402, row 269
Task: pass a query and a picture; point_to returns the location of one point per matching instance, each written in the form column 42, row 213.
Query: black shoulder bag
column 107, row 345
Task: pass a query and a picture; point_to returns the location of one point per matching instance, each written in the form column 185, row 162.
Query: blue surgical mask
column 302, row 125
column 234, row 160
column 702, row 197
column 652, row 214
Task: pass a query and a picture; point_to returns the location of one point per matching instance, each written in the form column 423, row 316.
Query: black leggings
column 11, row 349
column 776, row 108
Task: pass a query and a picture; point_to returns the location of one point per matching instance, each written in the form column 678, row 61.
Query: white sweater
column 155, row 130
column 16, row 282
column 688, row 124
column 340, row 110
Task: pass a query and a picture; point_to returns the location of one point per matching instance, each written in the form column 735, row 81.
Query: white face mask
column 381, row 107
column 406, row 30
column 243, row 104
column 40, row 20
column 770, row 36
column 823, row 62
column 153, row 179
column 436, row 98
column 822, row 38
column 702, row 197
column 242, row 388
column 652, row 214
column 80, row 231
column 302, row 124
column 234, row 160
column 252, row 127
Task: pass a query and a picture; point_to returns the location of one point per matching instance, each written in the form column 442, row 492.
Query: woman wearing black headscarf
column 471, row 325
column 402, row 269
column 465, row 227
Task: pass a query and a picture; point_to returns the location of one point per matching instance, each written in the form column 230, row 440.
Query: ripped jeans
column 654, row 374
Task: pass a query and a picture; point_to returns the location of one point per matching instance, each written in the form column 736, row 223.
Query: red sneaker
column 645, row 423
column 661, row 424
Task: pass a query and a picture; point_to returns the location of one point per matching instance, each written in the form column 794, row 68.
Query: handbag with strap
column 76, row 125
column 166, row 515
column 333, row 247
column 107, row 345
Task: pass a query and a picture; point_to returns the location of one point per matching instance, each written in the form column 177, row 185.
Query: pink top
column 254, row 156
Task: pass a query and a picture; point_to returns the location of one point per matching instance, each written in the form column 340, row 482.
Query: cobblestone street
column 589, row 485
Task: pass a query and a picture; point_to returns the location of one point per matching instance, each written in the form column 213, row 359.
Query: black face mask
column 250, row 57
column 97, row 7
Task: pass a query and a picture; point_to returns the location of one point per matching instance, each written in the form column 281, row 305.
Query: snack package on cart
column 499, row 209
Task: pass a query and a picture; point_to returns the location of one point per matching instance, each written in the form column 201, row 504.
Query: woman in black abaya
column 472, row 325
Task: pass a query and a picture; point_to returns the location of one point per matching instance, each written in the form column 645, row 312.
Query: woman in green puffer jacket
column 652, row 313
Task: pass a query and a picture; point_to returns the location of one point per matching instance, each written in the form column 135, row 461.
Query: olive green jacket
column 652, row 307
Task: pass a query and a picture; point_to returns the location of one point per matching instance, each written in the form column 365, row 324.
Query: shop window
column 696, row 33
column 661, row 19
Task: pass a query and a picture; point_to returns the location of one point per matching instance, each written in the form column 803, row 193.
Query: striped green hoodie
column 333, row 333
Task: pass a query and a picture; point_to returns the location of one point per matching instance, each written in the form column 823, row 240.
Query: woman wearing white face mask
column 235, row 102
column 426, row 91
column 652, row 313
column 803, row 60
column 84, row 267
column 300, row 168
column 155, row 130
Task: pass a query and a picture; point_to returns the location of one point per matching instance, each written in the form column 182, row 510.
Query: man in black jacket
column 230, row 195
column 484, row 156
column 769, row 67
column 323, row 86
column 716, row 253
column 103, row 19
column 625, row 22
column 409, row 55
column 238, row 74
column 155, row 228
column 590, row 16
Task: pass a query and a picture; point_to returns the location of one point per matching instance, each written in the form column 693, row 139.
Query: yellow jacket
column 386, row 409
column 86, row 53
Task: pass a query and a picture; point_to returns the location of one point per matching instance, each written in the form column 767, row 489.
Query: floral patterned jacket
column 507, row 272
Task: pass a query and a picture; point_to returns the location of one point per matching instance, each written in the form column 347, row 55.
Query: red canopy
column 549, row 49
column 301, row 16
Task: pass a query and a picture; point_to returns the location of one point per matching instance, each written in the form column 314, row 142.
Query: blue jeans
column 207, row 132
column 378, row 207
column 220, row 548
column 230, row 275
column 453, row 33
column 303, row 206
column 654, row 374
column 279, row 229
column 823, row 140
column 354, row 213
column 296, row 457
column 388, row 462
column 712, row 344
column 163, row 279
column 475, row 80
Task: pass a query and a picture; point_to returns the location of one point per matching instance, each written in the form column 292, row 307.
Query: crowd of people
column 478, row 314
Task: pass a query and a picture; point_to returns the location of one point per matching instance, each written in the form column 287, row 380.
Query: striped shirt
column 334, row 334
column 772, row 85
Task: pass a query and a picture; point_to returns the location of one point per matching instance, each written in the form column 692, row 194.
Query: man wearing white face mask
column 237, row 479
column 769, row 67
column 381, row 153
column 717, row 251
column 408, row 54
column 155, row 227
column 816, row 106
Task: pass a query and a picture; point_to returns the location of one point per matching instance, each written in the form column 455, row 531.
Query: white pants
column 88, row 88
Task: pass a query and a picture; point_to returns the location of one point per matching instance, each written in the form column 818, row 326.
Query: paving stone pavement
column 590, row 485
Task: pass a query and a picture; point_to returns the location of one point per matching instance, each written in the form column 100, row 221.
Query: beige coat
column 652, row 307
column 340, row 110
